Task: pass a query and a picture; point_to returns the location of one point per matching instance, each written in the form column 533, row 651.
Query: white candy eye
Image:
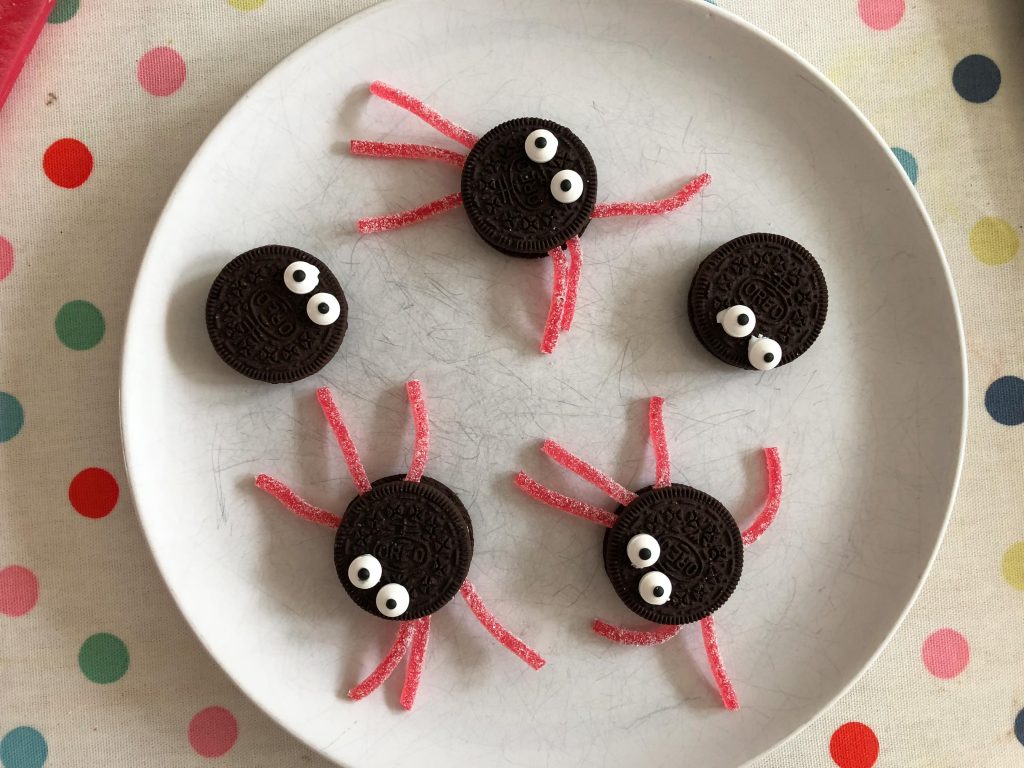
column 655, row 588
column 643, row 550
column 566, row 186
column 738, row 321
column 300, row 277
column 764, row 353
column 364, row 572
column 323, row 309
column 392, row 600
column 541, row 145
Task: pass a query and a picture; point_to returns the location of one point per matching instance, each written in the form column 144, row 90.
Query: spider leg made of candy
column 563, row 292
column 492, row 625
column 427, row 114
column 405, row 151
column 653, row 207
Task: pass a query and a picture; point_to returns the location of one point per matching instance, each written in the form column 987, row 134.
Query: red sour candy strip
column 387, row 665
column 376, row 224
column 296, row 504
column 422, row 445
column 414, row 670
column 569, row 311
column 554, row 321
column 662, row 465
column 728, row 693
column 771, row 505
column 348, row 447
column 588, row 472
column 655, row 207
column 535, row 490
column 405, row 151
column 492, row 625
column 427, row 114
column 638, row 637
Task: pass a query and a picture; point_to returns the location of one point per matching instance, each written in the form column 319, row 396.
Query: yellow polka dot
column 1013, row 566
column 247, row 5
column 993, row 241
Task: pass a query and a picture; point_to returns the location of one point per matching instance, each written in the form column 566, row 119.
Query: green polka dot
column 79, row 325
column 908, row 161
column 12, row 416
column 993, row 241
column 103, row 658
column 63, row 10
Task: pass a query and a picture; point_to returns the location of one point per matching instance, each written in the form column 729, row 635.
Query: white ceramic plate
column 869, row 423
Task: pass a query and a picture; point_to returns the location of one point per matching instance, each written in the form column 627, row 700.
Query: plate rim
column 822, row 82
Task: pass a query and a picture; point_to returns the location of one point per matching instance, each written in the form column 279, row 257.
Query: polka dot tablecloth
column 97, row 666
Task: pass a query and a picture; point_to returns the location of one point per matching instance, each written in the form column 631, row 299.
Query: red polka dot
column 6, row 257
column 213, row 731
column 945, row 653
column 68, row 163
column 161, row 71
column 854, row 745
column 93, row 492
column 881, row 14
column 19, row 590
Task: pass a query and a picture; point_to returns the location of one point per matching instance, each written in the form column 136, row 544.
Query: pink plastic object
column 21, row 21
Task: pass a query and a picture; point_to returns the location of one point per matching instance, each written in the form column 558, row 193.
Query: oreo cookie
column 674, row 554
column 529, row 185
column 276, row 314
column 403, row 548
column 758, row 301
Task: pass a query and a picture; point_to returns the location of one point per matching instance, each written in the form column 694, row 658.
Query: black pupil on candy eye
column 769, row 357
column 645, row 554
column 298, row 275
column 363, row 574
column 658, row 591
column 322, row 308
column 566, row 185
column 540, row 142
column 391, row 603
column 742, row 319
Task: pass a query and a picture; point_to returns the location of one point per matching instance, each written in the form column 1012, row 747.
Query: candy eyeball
column 364, row 572
column 392, row 600
column 643, row 550
column 300, row 277
column 323, row 308
column 655, row 588
column 738, row 321
column 566, row 186
column 541, row 145
column 764, row 353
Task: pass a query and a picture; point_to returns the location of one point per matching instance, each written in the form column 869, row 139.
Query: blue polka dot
column 12, row 416
column 977, row 78
column 1004, row 400
column 908, row 161
column 1018, row 727
column 23, row 747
